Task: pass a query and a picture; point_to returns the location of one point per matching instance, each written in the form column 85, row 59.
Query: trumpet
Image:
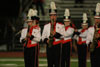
column 51, row 35
column 27, row 36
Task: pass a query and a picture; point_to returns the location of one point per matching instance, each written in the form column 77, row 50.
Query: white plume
column 97, row 8
column 85, row 17
column 67, row 13
column 52, row 5
column 32, row 12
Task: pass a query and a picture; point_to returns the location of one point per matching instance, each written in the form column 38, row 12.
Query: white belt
column 57, row 39
column 67, row 38
column 32, row 42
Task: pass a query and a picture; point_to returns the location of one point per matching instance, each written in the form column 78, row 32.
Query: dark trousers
column 66, row 55
column 95, row 57
column 82, row 55
column 53, row 56
column 31, row 57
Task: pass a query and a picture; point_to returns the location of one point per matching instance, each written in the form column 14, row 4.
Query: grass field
column 19, row 62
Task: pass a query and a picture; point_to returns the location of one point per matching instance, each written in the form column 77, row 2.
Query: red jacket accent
column 29, row 41
column 65, row 41
column 99, row 31
column 98, row 44
column 66, row 28
column 73, row 26
column 98, row 40
column 56, row 42
column 80, row 42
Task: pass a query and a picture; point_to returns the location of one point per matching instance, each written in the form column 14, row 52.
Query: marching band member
column 30, row 37
column 93, row 39
column 81, row 42
column 52, row 33
column 66, row 43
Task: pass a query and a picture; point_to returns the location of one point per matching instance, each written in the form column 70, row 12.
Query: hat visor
column 53, row 13
column 97, row 17
column 84, row 23
column 66, row 20
column 29, row 20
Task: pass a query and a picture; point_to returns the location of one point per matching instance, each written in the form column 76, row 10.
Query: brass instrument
column 33, row 23
column 94, row 42
column 27, row 36
column 51, row 35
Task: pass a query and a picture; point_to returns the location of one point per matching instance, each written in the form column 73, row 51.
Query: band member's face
column 53, row 17
column 67, row 23
column 84, row 26
column 34, row 22
column 29, row 23
column 97, row 35
column 97, row 21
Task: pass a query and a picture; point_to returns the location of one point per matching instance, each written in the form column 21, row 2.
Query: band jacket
column 59, row 29
column 35, row 37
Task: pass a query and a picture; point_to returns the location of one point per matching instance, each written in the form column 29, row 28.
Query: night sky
column 9, row 8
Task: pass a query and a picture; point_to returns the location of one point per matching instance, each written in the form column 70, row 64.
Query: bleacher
column 76, row 13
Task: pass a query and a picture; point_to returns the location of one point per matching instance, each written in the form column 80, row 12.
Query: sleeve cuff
column 57, row 35
column 45, row 40
column 23, row 41
column 31, row 37
column 77, row 33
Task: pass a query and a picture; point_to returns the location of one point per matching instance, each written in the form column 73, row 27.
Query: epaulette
column 60, row 23
column 47, row 23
